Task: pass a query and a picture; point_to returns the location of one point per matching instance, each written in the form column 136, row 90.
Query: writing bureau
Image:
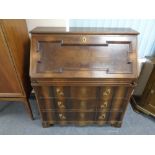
column 83, row 75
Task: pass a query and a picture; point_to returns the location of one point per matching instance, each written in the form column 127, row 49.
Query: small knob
column 84, row 39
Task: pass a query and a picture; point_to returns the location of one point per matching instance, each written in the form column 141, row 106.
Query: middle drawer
column 82, row 97
column 67, row 104
column 75, row 104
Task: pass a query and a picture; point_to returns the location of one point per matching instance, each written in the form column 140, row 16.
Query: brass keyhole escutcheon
column 84, row 40
column 59, row 92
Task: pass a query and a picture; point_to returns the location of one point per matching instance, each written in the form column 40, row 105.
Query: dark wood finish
column 14, row 62
column 145, row 103
column 84, row 75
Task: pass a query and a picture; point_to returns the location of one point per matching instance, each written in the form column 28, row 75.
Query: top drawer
column 84, row 39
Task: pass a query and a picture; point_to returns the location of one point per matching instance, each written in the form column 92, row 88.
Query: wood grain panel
column 7, row 87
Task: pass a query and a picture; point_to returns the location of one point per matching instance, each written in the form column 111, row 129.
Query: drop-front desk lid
column 83, row 53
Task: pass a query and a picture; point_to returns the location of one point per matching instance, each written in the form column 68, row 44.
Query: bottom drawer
column 81, row 118
column 62, row 117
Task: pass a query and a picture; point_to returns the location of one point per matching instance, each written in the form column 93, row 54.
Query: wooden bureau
column 84, row 75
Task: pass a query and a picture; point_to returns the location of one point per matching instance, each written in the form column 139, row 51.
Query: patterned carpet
column 15, row 121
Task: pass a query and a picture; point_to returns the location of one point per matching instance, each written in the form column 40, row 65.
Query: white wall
column 32, row 23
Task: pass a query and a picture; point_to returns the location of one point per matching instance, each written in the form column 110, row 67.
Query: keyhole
column 84, row 39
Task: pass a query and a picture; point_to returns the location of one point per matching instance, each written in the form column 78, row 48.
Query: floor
column 15, row 121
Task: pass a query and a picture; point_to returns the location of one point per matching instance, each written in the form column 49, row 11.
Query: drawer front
column 82, row 92
column 81, row 118
column 67, row 104
column 62, row 92
column 82, row 105
column 82, row 98
column 69, row 117
column 83, row 39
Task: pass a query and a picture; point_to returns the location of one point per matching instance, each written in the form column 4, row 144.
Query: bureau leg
column 28, row 108
column 116, row 124
column 46, row 125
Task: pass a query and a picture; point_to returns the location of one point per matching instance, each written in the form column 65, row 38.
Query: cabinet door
column 9, row 85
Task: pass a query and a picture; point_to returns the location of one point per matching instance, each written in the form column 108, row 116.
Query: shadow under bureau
column 83, row 76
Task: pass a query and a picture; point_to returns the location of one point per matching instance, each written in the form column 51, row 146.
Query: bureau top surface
column 84, row 30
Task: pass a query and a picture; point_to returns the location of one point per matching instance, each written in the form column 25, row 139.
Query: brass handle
column 107, row 92
column 104, row 105
column 62, row 117
column 59, row 92
column 102, row 116
column 60, row 104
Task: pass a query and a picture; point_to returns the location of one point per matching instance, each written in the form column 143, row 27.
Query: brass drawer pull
column 107, row 92
column 102, row 116
column 104, row 105
column 59, row 92
column 84, row 40
column 62, row 117
column 61, row 105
